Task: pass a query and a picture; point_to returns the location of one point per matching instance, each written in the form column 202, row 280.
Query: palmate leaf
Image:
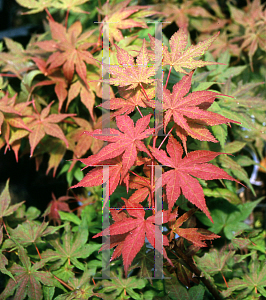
column 193, row 235
column 252, row 20
column 5, row 208
column 96, row 176
column 70, row 5
column 3, row 259
column 128, row 73
column 45, row 124
column 130, row 99
column 253, row 282
column 175, row 290
column 125, row 141
column 145, row 262
column 10, row 115
column 29, row 232
column 83, row 289
column 28, row 279
column 182, row 13
column 228, row 217
column 117, row 17
column 56, row 77
column 180, row 57
column 72, row 247
column 57, row 205
column 244, row 103
column 119, row 285
column 135, row 228
column 71, row 48
column 35, row 6
column 190, row 112
column 180, row 178
column 214, row 262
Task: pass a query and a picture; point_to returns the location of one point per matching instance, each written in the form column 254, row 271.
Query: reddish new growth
column 129, row 147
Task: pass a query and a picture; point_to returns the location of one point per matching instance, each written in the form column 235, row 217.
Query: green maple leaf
column 214, row 262
column 5, row 200
column 28, row 279
column 253, row 282
column 228, row 217
column 72, row 247
column 242, row 103
column 83, row 289
column 3, row 259
column 5, row 210
column 29, row 232
column 119, row 285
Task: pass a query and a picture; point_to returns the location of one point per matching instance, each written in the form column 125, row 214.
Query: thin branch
column 212, row 289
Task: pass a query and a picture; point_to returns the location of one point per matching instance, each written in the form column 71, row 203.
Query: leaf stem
column 224, row 280
column 168, row 76
column 38, row 251
column 165, row 137
column 139, row 111
column 6, row 229
column 62, row 282
column 144, row 92
column 139, row 176
column 67, row 14
column 8, row 75
column 48, row 13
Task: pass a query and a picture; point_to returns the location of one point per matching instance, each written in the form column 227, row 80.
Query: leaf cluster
column 171, row 146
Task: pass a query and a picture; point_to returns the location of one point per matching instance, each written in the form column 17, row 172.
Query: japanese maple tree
column 163, row 160
column 127, row 147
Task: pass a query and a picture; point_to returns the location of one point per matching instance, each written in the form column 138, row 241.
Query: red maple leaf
column 69, row 49
column 191, row 234
column 57, row 205
column 190, row 112
column 55, row 77
column 117, row 18
column 45, row 124
column 137, row 226
column 95, row 176
column 11, row 115
column 130, row 100
column 180, row 178
column 125, row 141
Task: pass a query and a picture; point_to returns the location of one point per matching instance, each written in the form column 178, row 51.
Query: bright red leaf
column 180, row 178
column 190, row 112
column 138, row 226
column 125, row 141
